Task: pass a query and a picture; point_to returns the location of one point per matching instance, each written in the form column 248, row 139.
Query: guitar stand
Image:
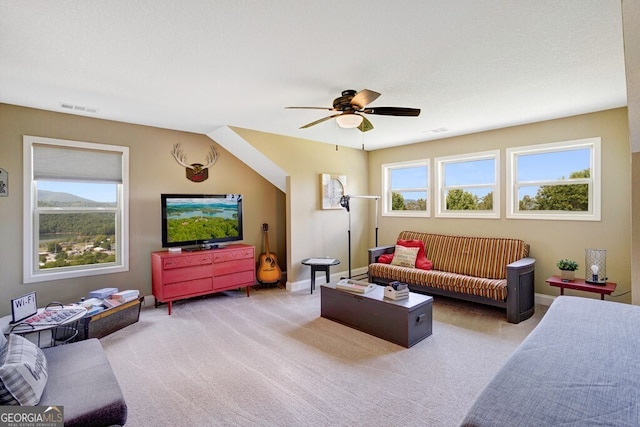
column 259, row 285
column 344, row 202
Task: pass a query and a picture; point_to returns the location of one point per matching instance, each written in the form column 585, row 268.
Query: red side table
column 580, row 285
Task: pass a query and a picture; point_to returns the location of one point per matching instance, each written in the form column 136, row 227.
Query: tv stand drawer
column 186, row 261
column 225, row 256
column 237, row 280
column 188, row 288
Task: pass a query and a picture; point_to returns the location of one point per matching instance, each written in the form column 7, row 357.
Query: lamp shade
column 349, row 120
column 595, row 266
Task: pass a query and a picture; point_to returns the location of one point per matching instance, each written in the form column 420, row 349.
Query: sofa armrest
column 522, row 265
column 374, row 253
column 520, row 290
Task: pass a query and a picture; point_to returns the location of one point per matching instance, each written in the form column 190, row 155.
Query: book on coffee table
column 355, row 286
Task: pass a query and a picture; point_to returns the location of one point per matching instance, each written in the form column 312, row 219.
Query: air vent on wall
column 438, row 130
column 78, row 108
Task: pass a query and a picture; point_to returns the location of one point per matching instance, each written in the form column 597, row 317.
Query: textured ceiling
column 197, row 65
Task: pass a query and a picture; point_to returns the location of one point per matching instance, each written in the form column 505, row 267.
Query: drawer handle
column 420, row 318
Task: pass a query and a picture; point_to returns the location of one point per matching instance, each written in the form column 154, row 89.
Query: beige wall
column 549, row 240
column 298, row 228
column 152, row 171
column 631, row 27
column 313, row 232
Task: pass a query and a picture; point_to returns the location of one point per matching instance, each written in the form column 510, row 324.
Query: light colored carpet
column 271, row 360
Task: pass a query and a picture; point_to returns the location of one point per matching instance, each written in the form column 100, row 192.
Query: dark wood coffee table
column 403, row 322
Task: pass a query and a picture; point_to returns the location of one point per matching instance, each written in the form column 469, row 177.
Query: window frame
column 32, row 273
column 441, row 189
column 594, row 181
column 387, row 191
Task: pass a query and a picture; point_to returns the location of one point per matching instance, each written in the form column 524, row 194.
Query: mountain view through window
column 74, row 229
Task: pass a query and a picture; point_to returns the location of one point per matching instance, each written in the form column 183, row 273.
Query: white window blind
column 77, row 164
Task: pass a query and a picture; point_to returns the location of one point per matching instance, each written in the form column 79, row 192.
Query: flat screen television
column 200, row 221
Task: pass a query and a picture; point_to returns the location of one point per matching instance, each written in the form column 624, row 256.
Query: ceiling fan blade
column 324, row 119
column 365, row 125
column 309, row 108
column 364, row 97
column 393, row 111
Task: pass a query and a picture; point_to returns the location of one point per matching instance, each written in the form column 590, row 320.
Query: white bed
column 579, row 367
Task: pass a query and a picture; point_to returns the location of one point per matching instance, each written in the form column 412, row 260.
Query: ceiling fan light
column 349, row 120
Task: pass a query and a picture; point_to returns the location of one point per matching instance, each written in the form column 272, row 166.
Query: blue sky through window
column 470, row 172
column 553, row 165
column 410, row 177
column 98, row 192
column 531, row 167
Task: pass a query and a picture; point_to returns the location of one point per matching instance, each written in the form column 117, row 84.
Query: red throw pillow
column 385, row 258
column 423, row 264
column 421, row 260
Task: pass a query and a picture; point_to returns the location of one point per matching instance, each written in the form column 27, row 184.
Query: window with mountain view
column 77, row 204
column 406, row 188
column 468, row 185
column 555, row 181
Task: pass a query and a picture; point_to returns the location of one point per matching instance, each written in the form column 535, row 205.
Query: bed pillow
column 404, row 257
column 23, row 372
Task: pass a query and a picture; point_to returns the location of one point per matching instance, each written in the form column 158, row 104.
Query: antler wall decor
column 195, row 172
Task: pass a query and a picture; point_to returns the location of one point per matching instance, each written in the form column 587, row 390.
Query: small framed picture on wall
column 334, row 186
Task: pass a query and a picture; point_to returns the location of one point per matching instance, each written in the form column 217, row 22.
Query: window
column 76, row 209
column 468, row 186
column 555, row 181
column 405, row 188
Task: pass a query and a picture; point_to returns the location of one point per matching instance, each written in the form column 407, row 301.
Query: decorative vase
column 569, row 275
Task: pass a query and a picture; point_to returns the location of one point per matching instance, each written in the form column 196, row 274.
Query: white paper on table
column 323, row 261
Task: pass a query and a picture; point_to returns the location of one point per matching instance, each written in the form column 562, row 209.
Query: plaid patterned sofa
column 489, row 270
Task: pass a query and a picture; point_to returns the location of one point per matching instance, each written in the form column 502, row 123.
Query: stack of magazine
column 396, row 290
column 355, row 286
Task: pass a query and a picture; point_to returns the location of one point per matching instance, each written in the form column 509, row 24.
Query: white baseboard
column 305, row 284
column 544, row 299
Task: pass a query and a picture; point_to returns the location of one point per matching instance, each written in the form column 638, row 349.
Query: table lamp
column 596, row 266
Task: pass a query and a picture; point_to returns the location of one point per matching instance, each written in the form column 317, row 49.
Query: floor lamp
column 345, row 203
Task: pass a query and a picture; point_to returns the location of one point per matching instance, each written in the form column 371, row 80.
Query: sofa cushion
column 404, row 257
column 385, row 258
column 460, row 283
column 485, row 257
column 421, row 260
column 23, row 372
column 81, row 379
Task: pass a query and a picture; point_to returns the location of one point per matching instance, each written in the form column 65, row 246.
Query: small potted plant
column 567, row 269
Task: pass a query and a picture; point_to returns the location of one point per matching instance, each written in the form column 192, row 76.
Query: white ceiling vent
column 78, row 108
column 438, row 130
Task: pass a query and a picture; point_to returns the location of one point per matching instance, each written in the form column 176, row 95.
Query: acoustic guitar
column 268, row 269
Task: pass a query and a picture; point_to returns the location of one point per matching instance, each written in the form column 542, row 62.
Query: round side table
column 319, row 264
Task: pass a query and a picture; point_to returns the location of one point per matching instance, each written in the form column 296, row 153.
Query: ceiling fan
column 351, row 105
